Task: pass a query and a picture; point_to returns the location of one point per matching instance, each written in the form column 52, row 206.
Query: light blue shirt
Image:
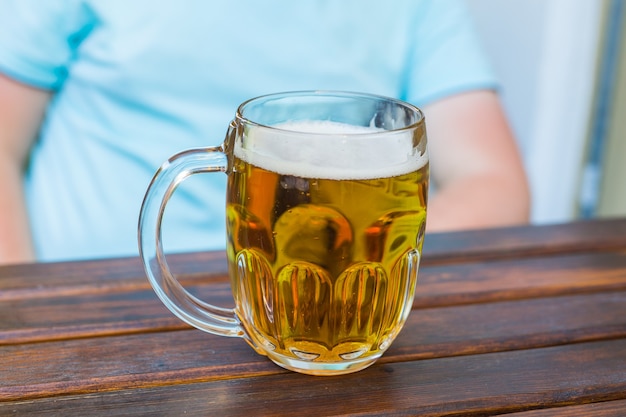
column 136, row 82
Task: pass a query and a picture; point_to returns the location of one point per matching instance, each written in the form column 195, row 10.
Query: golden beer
column 324, row 261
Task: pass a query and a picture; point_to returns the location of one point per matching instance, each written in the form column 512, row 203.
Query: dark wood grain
column 522, row 241
column 528, row 320
column 440, row 248
column 188, row 356
column 115, row 275
column 485, row 384
column 600, row 409
column 125, row 308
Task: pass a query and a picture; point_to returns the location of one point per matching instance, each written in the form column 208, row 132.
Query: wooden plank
column 113, row 363
column 520, row 278
column 113, row 311
column 484, row 384
column 105, row 310
column 602, row 409
column 523, row 241
column 95, row 276
column 437, row 285
column 440, row 248
column 93, row 315
column 522, row 324
column 142, row 360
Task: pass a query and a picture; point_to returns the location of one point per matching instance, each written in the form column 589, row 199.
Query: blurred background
column 562, row 64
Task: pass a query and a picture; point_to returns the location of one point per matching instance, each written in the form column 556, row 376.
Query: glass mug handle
column 191, row 310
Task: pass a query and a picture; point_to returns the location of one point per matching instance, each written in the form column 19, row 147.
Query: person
column 95, row 95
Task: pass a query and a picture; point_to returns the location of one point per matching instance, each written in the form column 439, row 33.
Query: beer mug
column 325, row 215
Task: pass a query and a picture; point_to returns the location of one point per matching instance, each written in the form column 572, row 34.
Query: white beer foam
column 330, row 150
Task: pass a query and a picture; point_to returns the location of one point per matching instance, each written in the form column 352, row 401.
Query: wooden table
column 529, row 321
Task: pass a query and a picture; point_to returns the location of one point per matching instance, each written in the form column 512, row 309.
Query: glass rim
column 329, row 93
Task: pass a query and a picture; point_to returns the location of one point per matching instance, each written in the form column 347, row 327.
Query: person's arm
column 475, row 165
column 21, row 111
